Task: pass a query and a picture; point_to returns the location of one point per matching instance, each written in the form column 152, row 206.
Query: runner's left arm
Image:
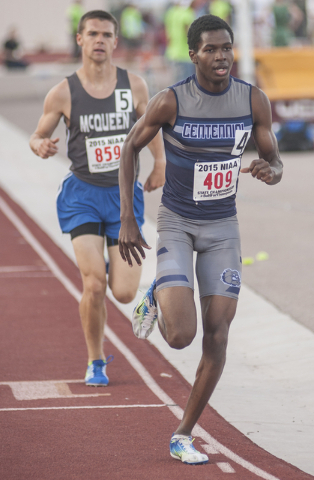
column 269, row 167
column 140, row 95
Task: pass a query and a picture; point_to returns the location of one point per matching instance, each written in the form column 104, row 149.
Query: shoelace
column 100, row 367
column 150, row 315
column 109, row 359
column 187, row 445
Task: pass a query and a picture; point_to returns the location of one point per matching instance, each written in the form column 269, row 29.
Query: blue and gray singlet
column 204, row 149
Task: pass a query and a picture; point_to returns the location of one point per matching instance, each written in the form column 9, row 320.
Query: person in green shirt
column 74, row 14
column 287, row 18
column 177, row 20
column 131, row 27
column 221, row 9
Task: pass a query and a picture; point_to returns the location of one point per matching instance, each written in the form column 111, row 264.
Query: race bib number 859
column 103, row 153
column 215, row 180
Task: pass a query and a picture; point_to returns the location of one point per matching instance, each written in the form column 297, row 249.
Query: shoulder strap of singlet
column 122, row 76
column 74, row 82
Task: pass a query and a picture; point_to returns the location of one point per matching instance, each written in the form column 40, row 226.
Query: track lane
column 140, row 435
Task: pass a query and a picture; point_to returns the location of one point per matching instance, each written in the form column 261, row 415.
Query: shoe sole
column 189, row 463
column 96, row 384
column 140, row 333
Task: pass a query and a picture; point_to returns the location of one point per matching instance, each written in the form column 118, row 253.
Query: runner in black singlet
column 99, row 103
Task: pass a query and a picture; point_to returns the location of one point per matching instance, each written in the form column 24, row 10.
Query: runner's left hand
column 156, row 179
column 260, row 169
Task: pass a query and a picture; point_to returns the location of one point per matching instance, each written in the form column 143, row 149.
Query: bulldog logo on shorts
column 231, row 278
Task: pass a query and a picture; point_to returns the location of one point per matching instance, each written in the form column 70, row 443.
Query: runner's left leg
column 123, row 280
column 217, row 313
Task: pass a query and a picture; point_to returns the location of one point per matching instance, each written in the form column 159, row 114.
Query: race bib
column 215, row 180
column 103, row 153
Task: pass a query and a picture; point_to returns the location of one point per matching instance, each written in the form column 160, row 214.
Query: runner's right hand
column 131, row 242
column 47, row 147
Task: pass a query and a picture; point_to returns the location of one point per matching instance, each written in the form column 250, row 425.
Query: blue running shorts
column 79, row 203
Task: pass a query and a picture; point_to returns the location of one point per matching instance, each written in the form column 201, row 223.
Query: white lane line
column 46, row 381
column 24, row 268
column 134, row 362
column 210, row 449
column 26, row 275
column 84, row 407
column 43, row 390
column 178, row 412
column 225, row 467
column 25, row 271
column 44, row 255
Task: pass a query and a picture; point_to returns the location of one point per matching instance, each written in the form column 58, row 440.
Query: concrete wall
column 41, row 23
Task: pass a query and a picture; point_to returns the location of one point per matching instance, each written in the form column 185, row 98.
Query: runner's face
column 98, row 39
column 214, row 58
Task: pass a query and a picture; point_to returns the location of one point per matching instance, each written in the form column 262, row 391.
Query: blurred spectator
column 160, row 38
column 74, row 14
column 299, row 20
column 310, row 20
column 178, row 18
column 132, row 29
column 221, row 9
column 11, row 51
column 262, row 24
column 282, row 32
column 201, row 7
column 287, row 18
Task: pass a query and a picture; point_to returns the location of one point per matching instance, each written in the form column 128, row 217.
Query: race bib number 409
column 103, row 153
column 215, row 180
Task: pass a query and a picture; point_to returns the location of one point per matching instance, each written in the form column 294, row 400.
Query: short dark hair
column 101, row 15
column 206, row 23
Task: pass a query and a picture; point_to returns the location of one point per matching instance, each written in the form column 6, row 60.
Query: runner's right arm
column 141, row 97
column 57, row 103
column 162, row 109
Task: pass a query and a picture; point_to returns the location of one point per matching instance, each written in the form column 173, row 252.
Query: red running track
column 53, row 426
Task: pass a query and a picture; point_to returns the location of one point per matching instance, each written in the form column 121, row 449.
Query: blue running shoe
column 145, row 314
column 96, row 372
column 182, row 448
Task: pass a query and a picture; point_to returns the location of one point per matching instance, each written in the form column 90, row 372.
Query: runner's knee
column 178, row 338
column 179, row 341
column 216, row 338
column 123, row 296
column 95, row 286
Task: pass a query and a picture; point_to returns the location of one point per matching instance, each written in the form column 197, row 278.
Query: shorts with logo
column 218, row 259
column 80, row 203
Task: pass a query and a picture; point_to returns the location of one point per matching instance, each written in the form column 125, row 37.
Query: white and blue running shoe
column 96, row 372
column 145, row 314
column 182, row 448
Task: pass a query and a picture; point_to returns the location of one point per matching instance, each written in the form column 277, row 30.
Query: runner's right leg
column 89, row 255
column 177, row 319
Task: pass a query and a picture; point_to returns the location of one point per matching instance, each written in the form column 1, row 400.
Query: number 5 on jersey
column 124, row 100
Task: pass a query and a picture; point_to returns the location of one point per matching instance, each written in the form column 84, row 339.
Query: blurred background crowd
column 277, row 36
column 150, row 25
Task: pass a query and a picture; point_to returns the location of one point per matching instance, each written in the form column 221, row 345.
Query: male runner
column 99, row 103
column 206, row 120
